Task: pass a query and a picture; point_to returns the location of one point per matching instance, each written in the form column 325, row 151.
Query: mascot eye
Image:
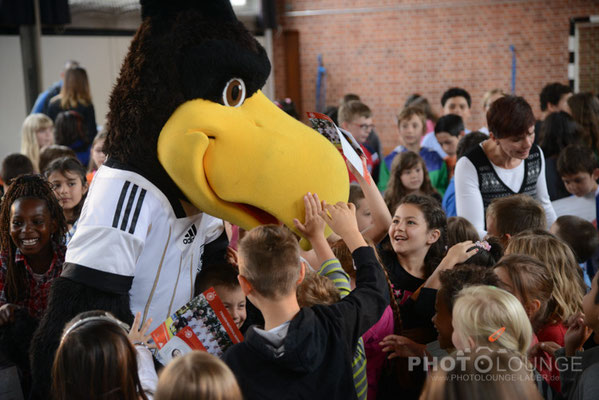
column 234, row 93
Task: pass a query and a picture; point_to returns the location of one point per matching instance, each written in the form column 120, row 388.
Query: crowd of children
column 455, row 246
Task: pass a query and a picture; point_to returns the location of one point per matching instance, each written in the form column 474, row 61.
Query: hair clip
column 483, row 245
column 106, row 317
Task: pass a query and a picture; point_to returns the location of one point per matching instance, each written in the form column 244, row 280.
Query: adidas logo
column 190, row 235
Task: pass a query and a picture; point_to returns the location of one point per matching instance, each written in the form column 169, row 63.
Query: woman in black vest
column 507, row 163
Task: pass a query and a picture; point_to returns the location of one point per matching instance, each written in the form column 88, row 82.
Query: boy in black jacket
column 307, row 353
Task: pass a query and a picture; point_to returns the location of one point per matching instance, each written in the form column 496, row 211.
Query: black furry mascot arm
column 191, row 141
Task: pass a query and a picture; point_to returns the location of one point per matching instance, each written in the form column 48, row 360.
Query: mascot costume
column 192, row 141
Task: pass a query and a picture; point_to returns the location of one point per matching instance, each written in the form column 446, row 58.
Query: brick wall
column 385, row 50
column 589, row 58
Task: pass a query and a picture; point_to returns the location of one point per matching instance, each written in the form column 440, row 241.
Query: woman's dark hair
column 26, row 186
column 395, row 189
column 96, row 361
column 558, row 131
column 69, row 128
column 435, row 219
column 74, row 166
column 510, row 116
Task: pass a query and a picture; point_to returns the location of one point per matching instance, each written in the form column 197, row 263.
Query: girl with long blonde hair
column 487, row 317
column 37, row 132
column 480, row 312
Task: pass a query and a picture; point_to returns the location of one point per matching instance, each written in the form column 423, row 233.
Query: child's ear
column 302, row 273
column 85, row 187
column 505, row 239
column 532, row 307
column 433, row 236
column 246, row 286
column 462, row 134
column 595, row 174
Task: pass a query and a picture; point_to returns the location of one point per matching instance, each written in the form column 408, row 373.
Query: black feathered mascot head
column 188, row 114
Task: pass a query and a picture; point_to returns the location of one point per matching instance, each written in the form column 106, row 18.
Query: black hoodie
column 319, row 346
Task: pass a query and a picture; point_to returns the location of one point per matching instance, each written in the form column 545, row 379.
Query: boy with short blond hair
column 303, row 353
column 271, row 260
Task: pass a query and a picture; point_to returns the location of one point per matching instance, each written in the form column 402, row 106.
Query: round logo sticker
column 210, row 296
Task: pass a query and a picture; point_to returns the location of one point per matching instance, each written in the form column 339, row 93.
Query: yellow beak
column 249, row 165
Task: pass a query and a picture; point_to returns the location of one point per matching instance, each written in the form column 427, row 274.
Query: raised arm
column 341, row 217
column 458, row 253
column 363, row 307
column 313, row 229
column 381, row 217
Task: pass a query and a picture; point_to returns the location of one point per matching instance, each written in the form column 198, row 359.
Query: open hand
column 341, row 217
column 313, row 226
column 139, row 335
column 459, row 253
column 401, row 346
